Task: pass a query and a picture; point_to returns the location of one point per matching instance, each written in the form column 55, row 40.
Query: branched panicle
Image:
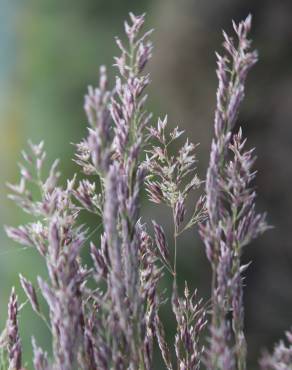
column 232, row 222
column 58, row 239
column 35, row 234
column 172, row 177
column 191, row 320
column 232, row 70
column 63, row 295
column 170, row 180
column 112, row 150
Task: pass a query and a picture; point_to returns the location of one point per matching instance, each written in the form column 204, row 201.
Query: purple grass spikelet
column 232, row 222
column 14, row 342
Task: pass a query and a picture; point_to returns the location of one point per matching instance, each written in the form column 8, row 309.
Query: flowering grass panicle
column 230, row 201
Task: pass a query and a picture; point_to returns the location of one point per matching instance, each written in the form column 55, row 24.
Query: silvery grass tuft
column 107, row 315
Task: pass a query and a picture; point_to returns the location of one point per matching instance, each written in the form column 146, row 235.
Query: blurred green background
column 51, row 50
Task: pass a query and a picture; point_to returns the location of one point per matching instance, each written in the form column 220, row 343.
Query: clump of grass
column 107, row 316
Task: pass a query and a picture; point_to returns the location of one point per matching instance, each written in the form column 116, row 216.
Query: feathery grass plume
column 170, row 180
column 112, row 150
column 58, row 239
column 63, row 295
column 191, row 320
column 232, row 222
column 172, row 177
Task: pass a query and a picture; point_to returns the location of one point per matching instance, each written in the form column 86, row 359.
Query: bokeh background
column 50, row 52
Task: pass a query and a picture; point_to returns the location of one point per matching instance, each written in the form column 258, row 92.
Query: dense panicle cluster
column 191, row 319
column 106, row 316
column 112, row 151
column 232, row 222
column 58, row 238
column 172, row 176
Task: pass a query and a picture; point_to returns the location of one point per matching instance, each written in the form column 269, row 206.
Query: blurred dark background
column 50, row 52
